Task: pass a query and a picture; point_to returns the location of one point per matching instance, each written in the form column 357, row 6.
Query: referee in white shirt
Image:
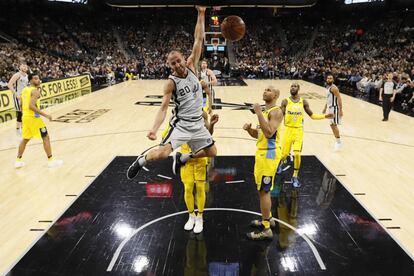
column 387, row 95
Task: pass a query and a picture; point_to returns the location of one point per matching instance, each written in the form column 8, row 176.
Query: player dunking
column 16, row 84
column 267, row 158
column 334, row 106
column 293, row 109
column 194, row 173
column 186, row 124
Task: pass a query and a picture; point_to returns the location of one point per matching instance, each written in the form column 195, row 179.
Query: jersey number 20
column 184, row 91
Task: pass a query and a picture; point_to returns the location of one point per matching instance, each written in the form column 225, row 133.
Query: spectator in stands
column 3, row 83
column 67, row 45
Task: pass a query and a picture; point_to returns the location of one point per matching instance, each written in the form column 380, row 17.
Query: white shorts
column 195, row 134
column 336, row 120
column 17, row 103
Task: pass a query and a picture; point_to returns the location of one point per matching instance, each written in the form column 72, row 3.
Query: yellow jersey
column 294, row 113
column 264, row 143
column 26, row 95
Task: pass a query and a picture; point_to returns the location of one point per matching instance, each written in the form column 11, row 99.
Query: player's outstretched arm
column 12, row 82
column 193, row 59
column 313, row 115
column 160, row 117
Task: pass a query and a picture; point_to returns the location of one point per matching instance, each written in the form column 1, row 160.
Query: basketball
column 233, row 28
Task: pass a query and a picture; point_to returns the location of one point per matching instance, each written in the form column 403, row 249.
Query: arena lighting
column 211, row 3
column 289, row 263
column 347, row 2
column 140, row 263
column 215, row 20
column 123, row 230
column 308, row 229
column 71, row 1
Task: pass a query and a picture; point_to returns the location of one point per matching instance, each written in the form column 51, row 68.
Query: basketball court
column 353, row 214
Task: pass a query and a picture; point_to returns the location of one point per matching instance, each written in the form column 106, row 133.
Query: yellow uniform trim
column 267, row 157
column 294, row 113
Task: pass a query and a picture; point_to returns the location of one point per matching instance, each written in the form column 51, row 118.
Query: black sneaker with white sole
column 134, row 169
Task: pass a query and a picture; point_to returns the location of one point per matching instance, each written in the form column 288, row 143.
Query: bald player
column 186, row 123
column 267, row 158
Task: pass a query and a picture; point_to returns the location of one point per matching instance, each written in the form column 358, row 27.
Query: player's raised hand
column 257, row 108
column 201, row 8
column 151, row 135
column 247, row 126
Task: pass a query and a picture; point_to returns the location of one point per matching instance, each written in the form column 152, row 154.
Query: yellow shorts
column 292, row 136
column 205, row 105
column 265, row 170
column 194, row 170
column 33, row 128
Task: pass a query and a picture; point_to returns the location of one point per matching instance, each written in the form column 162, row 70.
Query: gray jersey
column 331, row 99
column 21, row 83
column 188, row 99
column 205, row 77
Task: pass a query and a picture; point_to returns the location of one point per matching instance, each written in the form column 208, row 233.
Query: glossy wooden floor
column 375, row 162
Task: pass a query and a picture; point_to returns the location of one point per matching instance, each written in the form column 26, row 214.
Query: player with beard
column 334, row 106
column 293, row 109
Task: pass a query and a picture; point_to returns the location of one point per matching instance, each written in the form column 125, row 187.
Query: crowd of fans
column 358, row 51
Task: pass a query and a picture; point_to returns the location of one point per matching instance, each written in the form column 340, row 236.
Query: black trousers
column 386, row 105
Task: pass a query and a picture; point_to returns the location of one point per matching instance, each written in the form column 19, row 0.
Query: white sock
column 184, row 157
column 338, row 140
column 142, row 161
column 18, row 131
